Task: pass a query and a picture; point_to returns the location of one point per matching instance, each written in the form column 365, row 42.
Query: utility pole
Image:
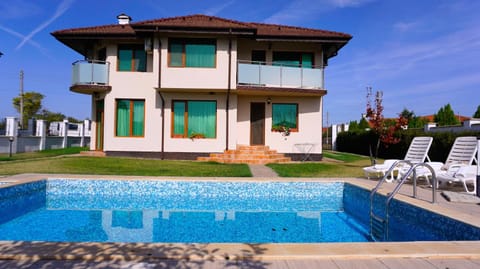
column 328, row 142
column 21, row 99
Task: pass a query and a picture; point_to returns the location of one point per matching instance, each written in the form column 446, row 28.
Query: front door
column 99, row 106
column 257, row 124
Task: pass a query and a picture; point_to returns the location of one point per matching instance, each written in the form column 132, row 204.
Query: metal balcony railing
column 283, row 76
column 90, row 72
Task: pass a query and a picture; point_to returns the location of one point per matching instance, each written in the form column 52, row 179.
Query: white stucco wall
column 200, row 78
column 133, row 85
column 217, row 144
column 309, row 123
column 143, row 85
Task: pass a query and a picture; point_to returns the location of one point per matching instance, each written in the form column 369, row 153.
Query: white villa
column 191, row 86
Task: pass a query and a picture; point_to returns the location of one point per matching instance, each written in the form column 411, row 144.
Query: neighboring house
column 184, row 87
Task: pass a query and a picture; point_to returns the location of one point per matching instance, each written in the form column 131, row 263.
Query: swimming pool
column 207, row 211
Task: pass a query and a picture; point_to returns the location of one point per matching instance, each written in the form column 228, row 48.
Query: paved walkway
column 260, row 170
column 377, row 263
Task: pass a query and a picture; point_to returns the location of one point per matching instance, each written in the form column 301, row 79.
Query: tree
column 445, row 116
column 353, row 125
column 32, row 102
column 477, row 113
column 417, row 122
column 384, row 134
column 50, row 116
column 363, row 125
column 413, row 120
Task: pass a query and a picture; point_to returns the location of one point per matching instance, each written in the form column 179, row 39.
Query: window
column 132, row 58
column 284, row 115
column 192, row 53
column 130, row 118
column 294, row 59
column 194, row 119
column 259, row 56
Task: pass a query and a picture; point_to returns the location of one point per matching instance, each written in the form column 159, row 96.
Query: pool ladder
column 379, row 224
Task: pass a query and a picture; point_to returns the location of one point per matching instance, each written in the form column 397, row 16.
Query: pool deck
column 456, row 254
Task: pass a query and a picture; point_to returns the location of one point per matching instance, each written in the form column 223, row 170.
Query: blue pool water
column 203, row 211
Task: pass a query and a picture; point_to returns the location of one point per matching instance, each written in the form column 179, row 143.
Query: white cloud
column 16, row 34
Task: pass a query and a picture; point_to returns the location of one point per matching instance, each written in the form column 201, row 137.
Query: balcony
column 260, row 74
column 90, row 77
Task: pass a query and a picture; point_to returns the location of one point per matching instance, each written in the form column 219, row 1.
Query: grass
column 61, row 161
column 341, row 156
column 124, row 166
column 348, row 165
column 41, row 154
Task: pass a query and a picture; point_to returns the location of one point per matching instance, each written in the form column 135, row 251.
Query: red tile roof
column 194, row 22
column 284, row 30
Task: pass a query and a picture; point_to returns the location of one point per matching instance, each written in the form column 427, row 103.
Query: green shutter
column 307, row 60
column 176, row 54
column 200, row 55
column 124, row 60
column 284, row 115
column 138, row 118
column 123, row 118
column 202, row 118
column 179, row 118
column 140, row 60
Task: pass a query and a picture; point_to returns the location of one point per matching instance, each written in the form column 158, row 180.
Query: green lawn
column 345, row 165
column 124, row 166
column 41, row 154
column 62, row 161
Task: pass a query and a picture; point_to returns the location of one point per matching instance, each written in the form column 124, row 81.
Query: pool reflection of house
column 185, row 87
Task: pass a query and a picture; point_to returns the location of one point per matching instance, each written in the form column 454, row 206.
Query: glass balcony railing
column 90, row 72
column 261, row 74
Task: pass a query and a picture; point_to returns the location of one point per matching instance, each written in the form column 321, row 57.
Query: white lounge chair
column 459, row 160
column 417, row 153
column 466, row 174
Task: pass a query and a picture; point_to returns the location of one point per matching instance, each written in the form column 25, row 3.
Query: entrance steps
column 248, row 155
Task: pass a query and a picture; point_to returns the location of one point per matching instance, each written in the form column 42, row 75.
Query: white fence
column 38, row 138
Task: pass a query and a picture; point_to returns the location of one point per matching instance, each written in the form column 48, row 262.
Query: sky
column 421, row 54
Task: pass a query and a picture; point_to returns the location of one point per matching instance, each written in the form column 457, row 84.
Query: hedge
column 359, row 142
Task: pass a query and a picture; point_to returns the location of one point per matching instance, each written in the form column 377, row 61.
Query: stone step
column 249, row 155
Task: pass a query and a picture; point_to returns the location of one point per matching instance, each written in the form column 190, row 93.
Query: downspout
column 162, row 151
column 229, row 88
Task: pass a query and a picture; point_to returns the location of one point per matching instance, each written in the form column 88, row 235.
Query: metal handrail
column 411, row 171
column 279, row 64
column 377, row 187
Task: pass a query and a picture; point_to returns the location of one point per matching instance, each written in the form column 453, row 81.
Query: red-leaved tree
column 385, row 134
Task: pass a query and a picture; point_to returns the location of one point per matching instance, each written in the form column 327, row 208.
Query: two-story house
column 185, row 87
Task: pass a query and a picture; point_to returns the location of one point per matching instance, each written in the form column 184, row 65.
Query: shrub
column 358, row 142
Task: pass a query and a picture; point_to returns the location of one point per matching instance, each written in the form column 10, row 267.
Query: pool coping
column 25, row 250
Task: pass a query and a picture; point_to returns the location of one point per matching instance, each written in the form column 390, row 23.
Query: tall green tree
column 477, row 113
column 363, row 124
column 32, row 102
column 353, row 125
column 445, row 116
